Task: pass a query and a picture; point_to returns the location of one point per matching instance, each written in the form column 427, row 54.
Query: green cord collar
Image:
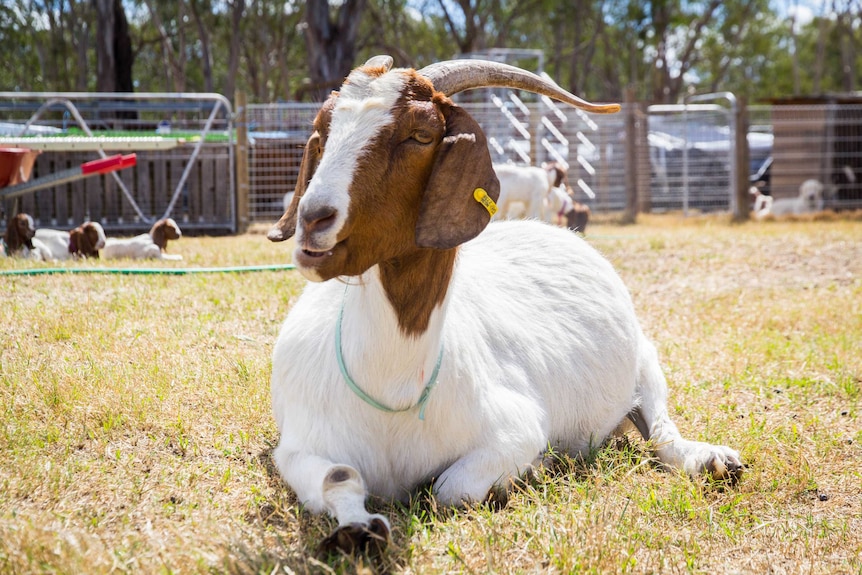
column 423, row 398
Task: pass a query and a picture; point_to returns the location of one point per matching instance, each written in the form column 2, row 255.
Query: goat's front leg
column 322, row 485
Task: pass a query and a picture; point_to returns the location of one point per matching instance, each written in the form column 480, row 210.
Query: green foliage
column 595, row 48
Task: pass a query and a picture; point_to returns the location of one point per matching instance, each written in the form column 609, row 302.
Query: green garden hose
column 146, row 271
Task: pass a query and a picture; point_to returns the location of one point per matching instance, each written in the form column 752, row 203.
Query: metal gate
column 184, row 146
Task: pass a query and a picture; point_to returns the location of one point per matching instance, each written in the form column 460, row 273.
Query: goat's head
column 19, row 233
column 164, row 230
column 393, row 165
column 87, row 239
column 557, row 173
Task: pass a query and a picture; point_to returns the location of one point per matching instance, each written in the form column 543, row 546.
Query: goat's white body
column 528, row 185
column 39, row 252
column 809, row 200
column 138, row 247
column 557, row 205
column 539, row 350
column 54, row 243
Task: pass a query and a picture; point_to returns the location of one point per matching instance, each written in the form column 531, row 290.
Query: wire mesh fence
column 276, row 139
column 822, row 143
column 683, row 156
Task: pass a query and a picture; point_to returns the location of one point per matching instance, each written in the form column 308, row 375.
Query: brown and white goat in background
column 426, row 348
column 84, row 241
column 152, row 245
column 18, row 238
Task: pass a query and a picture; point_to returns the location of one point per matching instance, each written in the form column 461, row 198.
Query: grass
column 135, row 425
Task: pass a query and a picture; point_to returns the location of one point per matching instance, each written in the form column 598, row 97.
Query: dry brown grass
column 136, row 428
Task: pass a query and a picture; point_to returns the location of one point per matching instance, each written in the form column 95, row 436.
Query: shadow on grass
column 283, row 535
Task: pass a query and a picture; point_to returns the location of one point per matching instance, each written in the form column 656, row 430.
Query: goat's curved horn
column 455, row 76
column 380, row 61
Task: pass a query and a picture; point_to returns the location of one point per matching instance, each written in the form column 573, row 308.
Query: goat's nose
column 318, row 219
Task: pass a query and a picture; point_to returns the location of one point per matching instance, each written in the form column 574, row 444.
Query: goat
column 762, row 202
column 528, row 185
column 423, row 349
column 558, row 172
column 84, row 241
column 577, row 217
column 151, row 245
column 557, row 204
column 809, row 200
column 578, row 214
column 18, row 239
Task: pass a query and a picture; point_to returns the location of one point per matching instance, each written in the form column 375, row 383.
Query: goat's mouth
column 313, row 257
column 316, row 254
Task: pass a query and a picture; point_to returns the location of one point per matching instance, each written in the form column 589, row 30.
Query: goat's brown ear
column 13, row 242
column 75, row 239
column 92, row 240
column 158, row 234
column 286, row 226
column 80, row 242
column 450, row 214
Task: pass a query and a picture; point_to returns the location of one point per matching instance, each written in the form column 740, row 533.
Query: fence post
column 242, row 184
column 742, row 183
column 631, row 163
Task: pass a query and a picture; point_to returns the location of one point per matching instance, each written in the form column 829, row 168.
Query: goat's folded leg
column 339, row 490
column 475, row 476
column 696, row 458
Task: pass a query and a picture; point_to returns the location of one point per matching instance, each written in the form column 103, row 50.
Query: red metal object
column 109, row 164
column 100, row 166
column 16, row 165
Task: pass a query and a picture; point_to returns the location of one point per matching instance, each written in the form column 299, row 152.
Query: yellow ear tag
column 483, row 198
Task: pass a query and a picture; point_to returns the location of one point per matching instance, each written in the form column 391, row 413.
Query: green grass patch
column 136, row 429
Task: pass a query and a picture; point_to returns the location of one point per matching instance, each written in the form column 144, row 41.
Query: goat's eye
column 422, row 136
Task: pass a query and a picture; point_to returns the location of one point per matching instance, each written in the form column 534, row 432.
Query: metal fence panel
column 184, row 147
column 685, row 156
column 822, row 143
column 276, row 135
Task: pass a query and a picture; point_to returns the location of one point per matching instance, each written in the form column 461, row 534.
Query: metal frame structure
column 100, row 144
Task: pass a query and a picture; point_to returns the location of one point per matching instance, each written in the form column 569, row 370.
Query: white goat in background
column 527, row 185
column 151, row 245
column 809, row 200
column 423, row 349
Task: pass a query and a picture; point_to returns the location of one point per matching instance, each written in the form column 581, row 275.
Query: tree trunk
column 106, row 58
column 80, row 36
column 206, row 57
column 124, row 58
column 237, row 8
column 331, row 45
column 848, row 53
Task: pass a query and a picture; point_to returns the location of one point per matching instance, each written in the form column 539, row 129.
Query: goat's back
column 137, row 247
column 55, row 242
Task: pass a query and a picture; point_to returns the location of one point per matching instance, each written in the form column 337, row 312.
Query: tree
column 331, row 43
column 114, row 57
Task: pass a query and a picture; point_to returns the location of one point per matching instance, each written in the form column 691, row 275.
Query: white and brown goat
column 152, row 245
column 18, row 238
column 430, row 345
column 84, row 241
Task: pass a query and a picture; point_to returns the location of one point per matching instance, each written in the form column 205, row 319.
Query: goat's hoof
column 725, row 468
column 371, row 538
